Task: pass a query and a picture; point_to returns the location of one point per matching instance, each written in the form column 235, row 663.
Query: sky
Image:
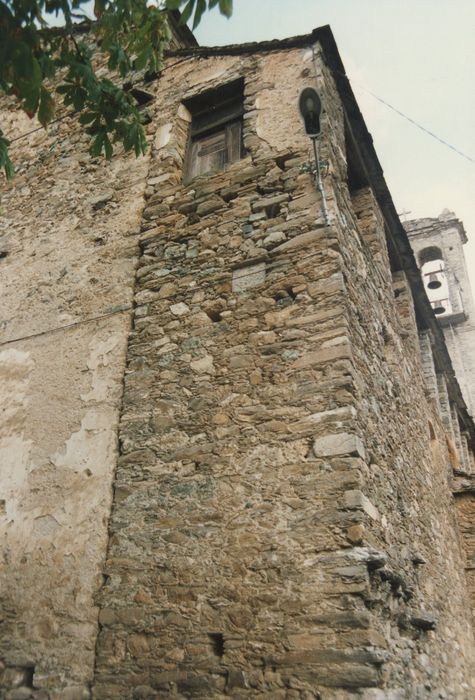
column 419, row 56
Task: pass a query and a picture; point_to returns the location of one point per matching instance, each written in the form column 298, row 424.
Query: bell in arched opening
column 439, row 306
column 434, row 281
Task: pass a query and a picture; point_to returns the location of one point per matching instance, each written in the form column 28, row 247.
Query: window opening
column 217, row 643
column 142, row 97
column 216, row 129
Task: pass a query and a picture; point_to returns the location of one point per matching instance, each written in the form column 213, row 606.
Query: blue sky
column 419, row 56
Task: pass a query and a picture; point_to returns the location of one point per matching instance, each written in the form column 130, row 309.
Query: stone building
column 231, row 430
column 438, row 245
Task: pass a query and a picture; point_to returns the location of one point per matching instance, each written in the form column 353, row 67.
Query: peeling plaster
column 15, row 369
column 98, row 361
column 163, row 136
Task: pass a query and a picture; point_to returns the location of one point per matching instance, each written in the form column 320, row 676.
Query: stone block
column 138, row 644
column 179, row 309
column 301, row 241
column 210, row 205
column 155, row 212
column 387, row 694
column 107, row 616
column 203, row 366
column 338, row 444
column 158, row 179
column 335, row 414
column 351, row 676
column 318, row 357
column 316, row 318
column 424, row 621
column 144, row 692
column 75, row 692
column 108, row 691
column 328, row 655
column 236, row 679
column 195, row 686
column 357, row 573
column 357, row 500
column 355, row 533
column 241, row 361
column 266, row 202
column 327, row 286
column 16, row 676
column 273, row 238
column 21, row 693
column 352, row 619
column 101, row 200
column 163, row 135
column 247, row 277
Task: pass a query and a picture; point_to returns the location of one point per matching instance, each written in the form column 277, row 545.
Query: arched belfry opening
column 432, row 264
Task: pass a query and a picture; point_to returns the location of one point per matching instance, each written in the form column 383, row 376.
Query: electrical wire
column 367, row 90
column 402, row 114
column 132, row 307
column 412, row 121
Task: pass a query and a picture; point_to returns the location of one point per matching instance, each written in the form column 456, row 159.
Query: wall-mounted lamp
column 310, row 106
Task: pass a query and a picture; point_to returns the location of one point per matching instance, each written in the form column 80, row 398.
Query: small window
column 216, row 129
column 141, row 97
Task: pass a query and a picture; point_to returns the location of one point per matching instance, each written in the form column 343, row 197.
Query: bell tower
column 438, row 247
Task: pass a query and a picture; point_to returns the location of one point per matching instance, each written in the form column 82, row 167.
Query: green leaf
column 107, row 147
column 47, row 65
column 187, row 10
column 141, row 60
column 200, row 8
column 130, row 137
column 99, row 7
column 130, row 34
column 87, row 117
column 5, row 161
column 46, row 107
column 226, row 7
column 96, row 146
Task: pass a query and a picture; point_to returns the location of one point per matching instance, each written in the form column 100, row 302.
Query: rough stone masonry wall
column 230, row 568
column 466, row 518
column 282, row 526
column 410, row 511
column 64, row 229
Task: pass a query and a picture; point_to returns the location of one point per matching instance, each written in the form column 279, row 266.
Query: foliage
column 40, row 64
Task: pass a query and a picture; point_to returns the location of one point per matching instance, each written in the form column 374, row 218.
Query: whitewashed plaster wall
column 67, row 229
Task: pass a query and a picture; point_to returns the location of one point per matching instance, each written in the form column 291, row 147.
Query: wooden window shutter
column 233, row 141
column 210, row 153
column 216, row 129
